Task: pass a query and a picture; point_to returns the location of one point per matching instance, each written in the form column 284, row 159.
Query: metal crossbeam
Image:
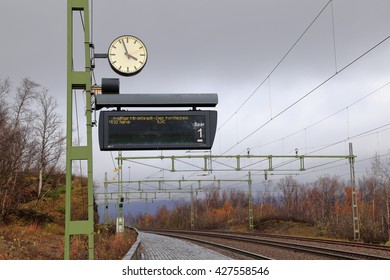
column 268, row 159
column 123, row 195
column 179, row 181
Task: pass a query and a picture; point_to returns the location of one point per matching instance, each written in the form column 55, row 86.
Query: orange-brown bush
column 326, row 204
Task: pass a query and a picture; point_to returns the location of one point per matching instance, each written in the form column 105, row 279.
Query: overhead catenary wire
column 277, row 65
column 315, row 170
column 362, row 134
column 334, row 38
column 269, row 76
column 377, row 90
column 359, row 135
column 308, row 94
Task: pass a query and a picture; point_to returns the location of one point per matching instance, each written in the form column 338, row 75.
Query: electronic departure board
column 156, row 130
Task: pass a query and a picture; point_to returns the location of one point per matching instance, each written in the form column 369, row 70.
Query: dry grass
column 33, row 242
column 37, row 233
column 28, row 243
column 112, row 246
column 289, row 228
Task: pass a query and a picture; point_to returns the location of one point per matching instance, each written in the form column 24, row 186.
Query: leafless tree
column 380, row 170
column 330, row 190
column 25, row 95
column 5, row 86
column 49, row 135
column 16, row 144
column 290, row 189
column 31, row 139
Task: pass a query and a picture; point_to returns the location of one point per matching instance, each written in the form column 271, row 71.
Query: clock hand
column 127, row 52
column 133, row 57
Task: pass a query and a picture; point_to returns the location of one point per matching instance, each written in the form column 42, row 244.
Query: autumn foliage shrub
column 325, row 203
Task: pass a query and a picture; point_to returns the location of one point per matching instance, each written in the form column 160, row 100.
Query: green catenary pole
column 120, row 217
column 250, row 201
column 105, row 199
column 355, row 212
column 78, row 80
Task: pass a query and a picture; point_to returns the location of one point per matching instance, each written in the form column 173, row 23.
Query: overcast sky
column 235, row 49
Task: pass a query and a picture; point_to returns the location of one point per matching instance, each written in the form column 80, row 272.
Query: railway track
column 306, row 248
column 323, row 241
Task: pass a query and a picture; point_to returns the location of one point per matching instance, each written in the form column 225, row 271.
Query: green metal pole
column 355, row 212
column 105, row 199
column 146, row 205
column 192, row 209
column 78, row 80
column 250, row 201
column 120, row 218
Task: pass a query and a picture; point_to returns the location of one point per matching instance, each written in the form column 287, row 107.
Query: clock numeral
column 120, row 67
column 135, row 42
column 142, row 54
column 141, row 47
column 141, row 62
column 135, row 68
column 128, row 70
column 114, row 62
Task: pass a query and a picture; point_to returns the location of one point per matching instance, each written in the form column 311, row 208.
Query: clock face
column 127, row 55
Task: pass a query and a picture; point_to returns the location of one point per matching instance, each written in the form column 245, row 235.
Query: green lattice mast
column 78, row 80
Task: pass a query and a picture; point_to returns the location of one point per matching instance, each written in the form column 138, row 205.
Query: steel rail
column 322, row 240
column 318, row 250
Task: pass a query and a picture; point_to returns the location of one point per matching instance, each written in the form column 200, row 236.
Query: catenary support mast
column 355, row 213
column 78, row 81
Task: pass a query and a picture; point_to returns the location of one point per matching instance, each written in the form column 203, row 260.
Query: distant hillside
column 133, row 209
